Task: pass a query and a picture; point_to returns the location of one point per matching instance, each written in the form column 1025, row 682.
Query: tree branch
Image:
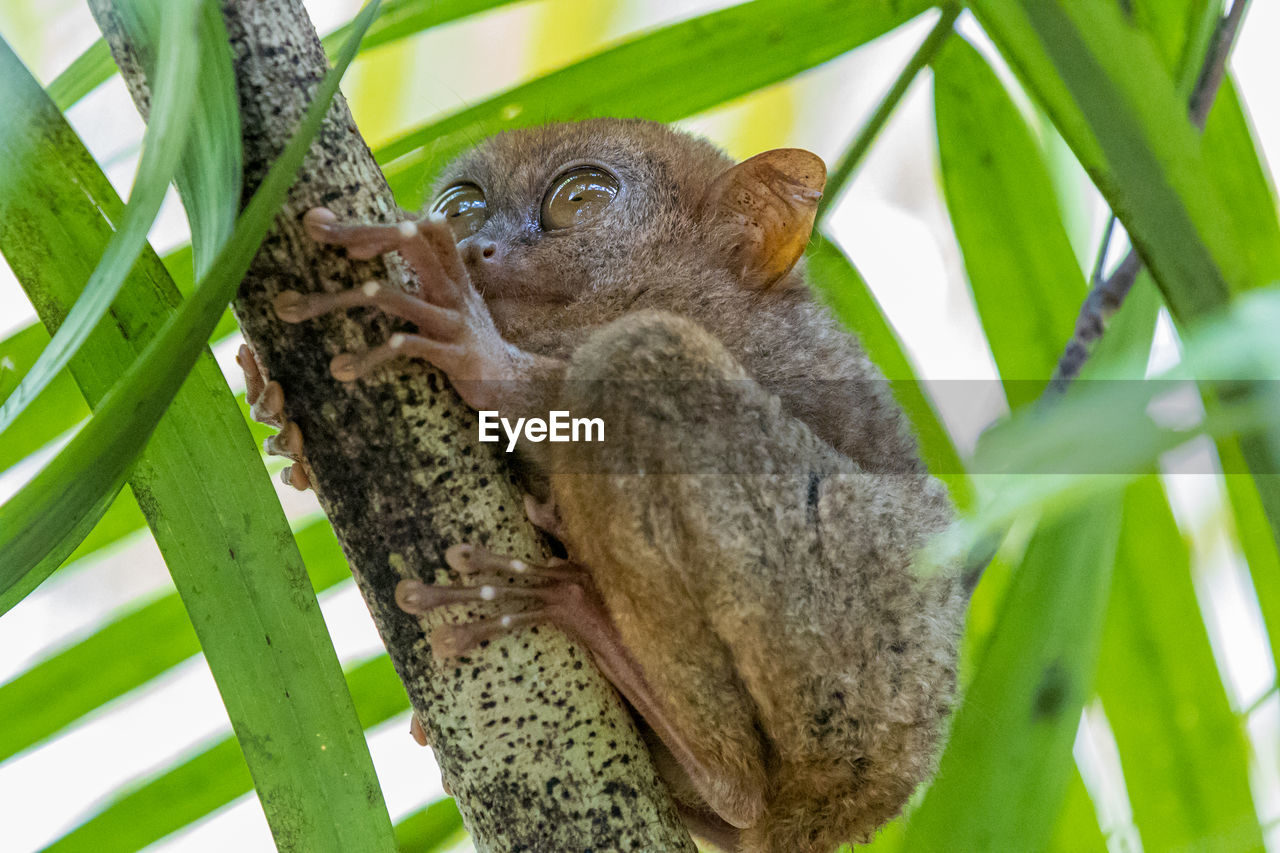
column 536, row 746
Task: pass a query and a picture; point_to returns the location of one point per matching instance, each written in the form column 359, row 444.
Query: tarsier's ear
column 768, row 204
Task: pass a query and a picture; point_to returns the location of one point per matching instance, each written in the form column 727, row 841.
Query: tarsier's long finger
column 268, row 408
column 450, row 641
column 349, row 366
column 266, row 399
column 294, row 307
column 440, row 238
column 408, row 238
column 253, row 381
column 475, row 561
column 361, row 241
column 417, row 598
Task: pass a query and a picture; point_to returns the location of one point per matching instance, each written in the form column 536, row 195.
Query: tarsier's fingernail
column 344, row 367
column 298, row 477
column 286, row 475
column 411, row 596
column 272, row 400
column 449, row 641
column 458, row 557
column 408, row 229
column 290, row 306
column 318, row 222
column 289, row 439
column 418, row 732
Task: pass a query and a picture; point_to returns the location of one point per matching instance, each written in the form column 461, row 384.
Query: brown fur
column 754, row 533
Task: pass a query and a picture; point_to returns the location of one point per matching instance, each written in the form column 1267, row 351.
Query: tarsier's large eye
column 463, row 208
column 577, row 196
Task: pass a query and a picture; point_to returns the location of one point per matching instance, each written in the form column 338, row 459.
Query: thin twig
column 852, row 157
column 1099, row 264
column 1215, row 66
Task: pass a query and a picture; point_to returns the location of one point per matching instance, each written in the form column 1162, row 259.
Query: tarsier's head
column 547, row 213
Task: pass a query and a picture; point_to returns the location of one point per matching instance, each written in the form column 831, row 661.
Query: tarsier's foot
column 455, row 331
column 266, row 405
column 562, row 594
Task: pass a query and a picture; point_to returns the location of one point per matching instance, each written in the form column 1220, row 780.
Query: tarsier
column 743, row 549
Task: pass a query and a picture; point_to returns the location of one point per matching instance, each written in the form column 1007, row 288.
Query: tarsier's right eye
column 464, row 209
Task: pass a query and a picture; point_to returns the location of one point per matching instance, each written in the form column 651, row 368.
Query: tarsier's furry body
column 749, row 531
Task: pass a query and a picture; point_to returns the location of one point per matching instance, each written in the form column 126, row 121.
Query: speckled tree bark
column 537, row 748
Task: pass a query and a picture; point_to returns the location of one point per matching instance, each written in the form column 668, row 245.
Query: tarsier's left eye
column 577, row 196
column 464, row 209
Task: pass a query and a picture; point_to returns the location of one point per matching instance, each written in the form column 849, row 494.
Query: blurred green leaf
column 668, row 74
column 1026, row 283
column 42, row 522
column 1238, row 173
column 61, row 407
column 226, row 544
column 1101, row 434
column 1256, row 536
column 1184, row 753
column 1181, row 30
column 1183, row 750
column 397, row 19
column 126, row 653
column 143, row 815
column 1107, row 90
column 50, row 415
column 1077, row 830
column 34, row 175
column 842, row 287
column 400, row 19
column 430, row 829
column 87, row 72
column 1008, row 765
column 1115, row 104
column 209, row 176
column 215, row 776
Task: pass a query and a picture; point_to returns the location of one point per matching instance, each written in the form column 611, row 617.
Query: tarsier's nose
column 480, row 251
